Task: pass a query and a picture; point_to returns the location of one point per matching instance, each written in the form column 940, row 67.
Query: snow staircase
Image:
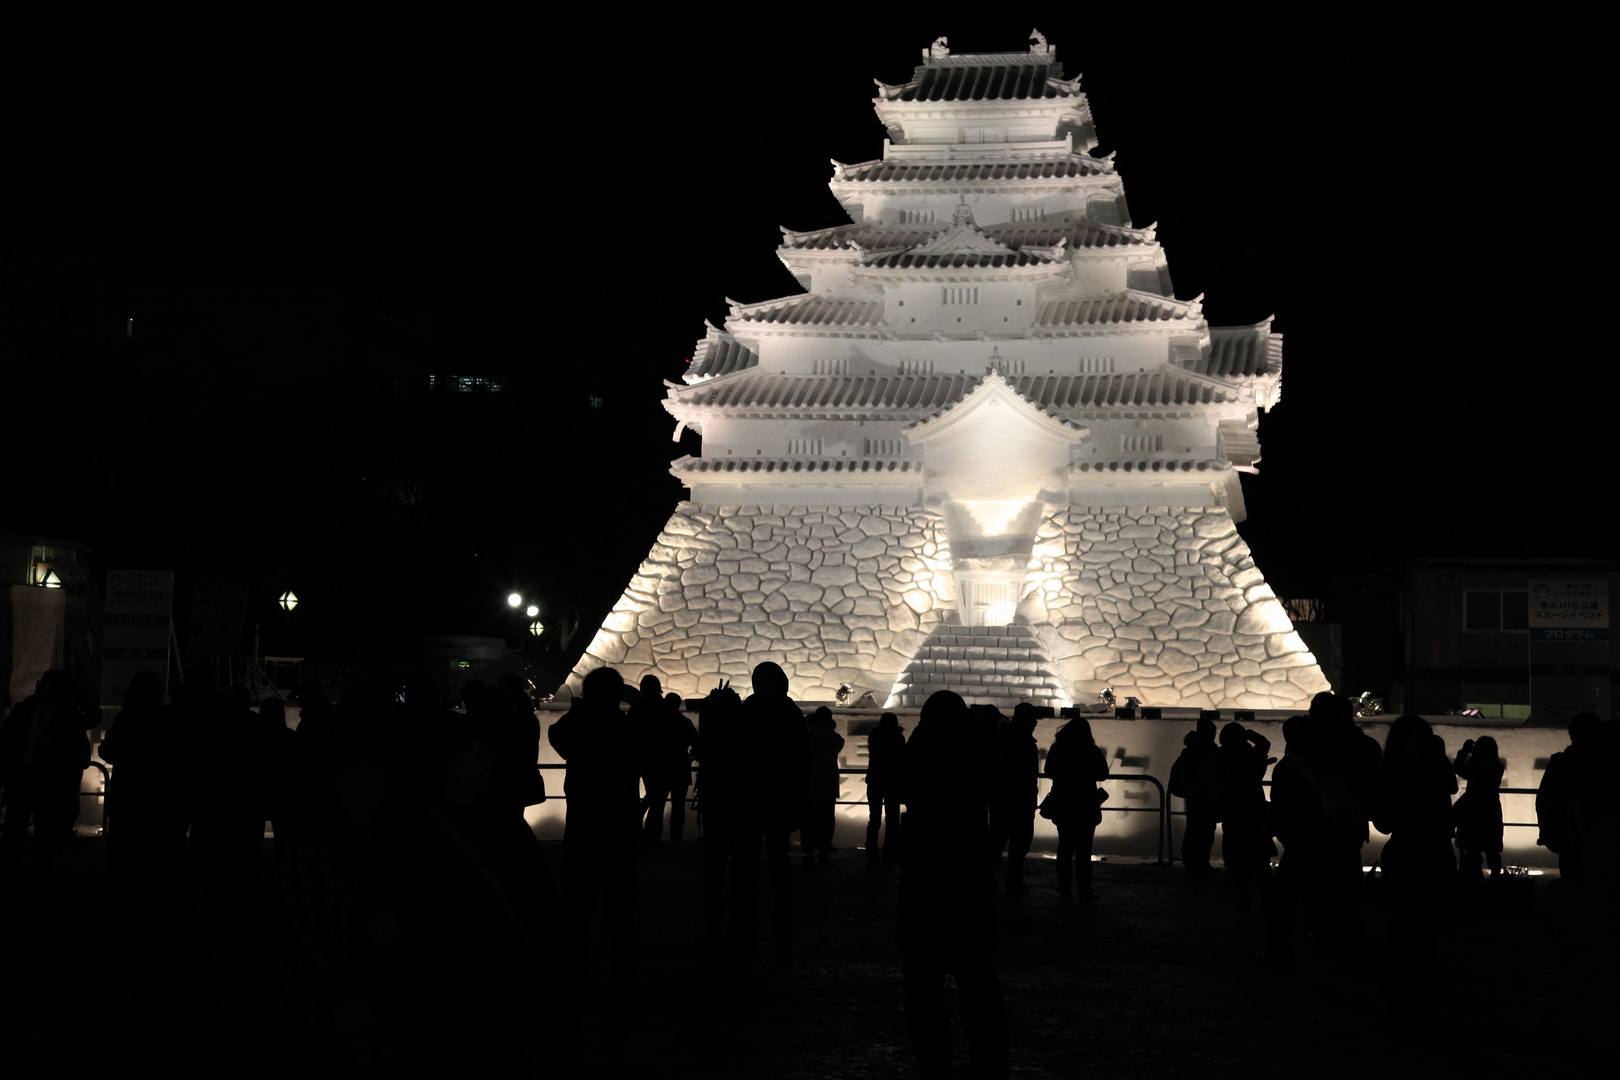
column 990, row 665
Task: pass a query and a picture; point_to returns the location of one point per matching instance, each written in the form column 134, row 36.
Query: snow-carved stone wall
column 833, row 594
column 1163, row 603
column 1166, row 604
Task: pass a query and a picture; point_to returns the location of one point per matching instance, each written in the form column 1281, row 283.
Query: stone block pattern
column 1164, row 603
column 833, row 594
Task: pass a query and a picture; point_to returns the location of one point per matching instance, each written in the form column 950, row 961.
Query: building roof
column 718, row 353
column 811, row 310
column 1130, row 306
column 992, row 388
column 864, row 237
column 1144, row 465
column 912, row 260
column 1241, row 351
column 903, row 172
column 962, row 244
column 867, row 468
column 989, row 77
column 762, row 392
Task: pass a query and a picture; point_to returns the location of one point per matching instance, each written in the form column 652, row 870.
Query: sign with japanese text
column 1569, row 648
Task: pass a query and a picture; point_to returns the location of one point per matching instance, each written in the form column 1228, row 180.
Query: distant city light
column 288, row 600
column 514, row 600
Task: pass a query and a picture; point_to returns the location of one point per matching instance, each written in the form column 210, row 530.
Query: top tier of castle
column 985, row 240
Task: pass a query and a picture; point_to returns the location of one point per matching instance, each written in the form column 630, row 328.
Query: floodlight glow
column 532, row 610
column 514, row 600
column 287, row 600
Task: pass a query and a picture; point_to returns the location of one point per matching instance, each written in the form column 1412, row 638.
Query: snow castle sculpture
column 985, row 449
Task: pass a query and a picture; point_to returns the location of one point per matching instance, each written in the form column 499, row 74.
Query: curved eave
column 863, row 188
column 1152, row 467
column 1039, row 274
column 811, row 470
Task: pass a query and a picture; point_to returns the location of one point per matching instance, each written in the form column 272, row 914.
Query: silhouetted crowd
column 401, row 939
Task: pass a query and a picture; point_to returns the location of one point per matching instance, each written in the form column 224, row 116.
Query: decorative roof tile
column 842, row 466
column 910, row 260
column 985, row 81
column 718, row 353
column 864, row 237
column 811, row 310
column 1143, row 465
column 764, row 392
column 1241, row 351
column 901, row 172
column 1128, row 307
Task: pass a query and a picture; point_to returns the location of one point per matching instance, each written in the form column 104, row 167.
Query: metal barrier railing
column 1499, row 791
column 1160, row 848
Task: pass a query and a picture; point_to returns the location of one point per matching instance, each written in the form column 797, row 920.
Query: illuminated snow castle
column 984, row 449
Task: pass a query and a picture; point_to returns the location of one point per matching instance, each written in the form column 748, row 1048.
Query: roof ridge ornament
column 1040, row 47
column 938, row 50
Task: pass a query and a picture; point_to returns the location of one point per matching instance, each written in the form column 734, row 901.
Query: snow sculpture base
column 833, row 594
column 1158, row 602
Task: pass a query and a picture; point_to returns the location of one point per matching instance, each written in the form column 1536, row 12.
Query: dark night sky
column 1410, row 199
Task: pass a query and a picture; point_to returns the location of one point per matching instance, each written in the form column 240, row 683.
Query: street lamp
column 532, row 610
column 514, row 600
column 537, row 627
column 288, row 600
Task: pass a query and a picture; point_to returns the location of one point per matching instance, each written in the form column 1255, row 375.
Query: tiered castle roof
column 1010, row 133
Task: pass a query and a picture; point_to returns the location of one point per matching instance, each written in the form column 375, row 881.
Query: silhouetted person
column 722, row 797
column 1246, row 847
column 317, row 734
column 602, row 786
column 755, row 769
column 44, row 750
column 1348, row 763
column 1413, row 805
column 1317, row 821
column 1569, row 800
column 476, row 900
column 1194, row 780
column 823, row 745
column 946, row 924
column 885, row 751
column 1478, row 813
column 1076, row 765
column 514, row 734
column 1015, row 791
column 679, row 764
column 517, row 781
column 337, row 925
column 146, row 820
column 227, row 815
column 664, row 739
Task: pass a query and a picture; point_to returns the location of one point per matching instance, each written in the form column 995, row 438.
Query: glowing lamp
column 514, row 600
column 532, row 610
column 537, row 628
column 49, row 580
column 288, row 600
